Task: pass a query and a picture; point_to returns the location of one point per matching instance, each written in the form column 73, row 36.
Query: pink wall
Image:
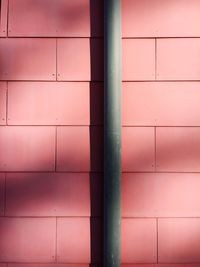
column 51, row 116
column 51, row 149
column 161, row 134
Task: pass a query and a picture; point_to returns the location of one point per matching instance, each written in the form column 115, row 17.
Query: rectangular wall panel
column 138, row 61
column 139, row 242
column 27, row 59
column 27, row 148
column 47, row 194
column 76, row 52
column 96, row 235
column 84, row 59
column 48, row 103
column 96, row 148
column 73, row 240
column 138, row 149
column 179, row 240
column 73, row 149
column 97, row 59
column 161, row 195
column 49, row 18
column 96, row 103
column 27, row 239
column 178, row 149
column 155, row 18
column 161, row 103
column 178, row 59
column 96, row 194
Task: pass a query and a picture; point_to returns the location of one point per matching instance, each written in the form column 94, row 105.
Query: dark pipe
column 112, row 132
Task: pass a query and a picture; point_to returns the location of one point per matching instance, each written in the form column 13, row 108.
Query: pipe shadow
column 96, row 131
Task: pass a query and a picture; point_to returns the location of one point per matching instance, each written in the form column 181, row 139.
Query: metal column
column 112, row 132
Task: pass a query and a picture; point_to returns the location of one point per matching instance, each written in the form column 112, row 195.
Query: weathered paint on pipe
column 112, row 132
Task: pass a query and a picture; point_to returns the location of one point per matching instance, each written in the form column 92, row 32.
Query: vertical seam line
column 157, row 237
column 7, row 19
column 5, row 184
column 56, row 148
column 7, row 103
column 56, row 59
column 155, row 58
column 56, row 241
column 155, row 157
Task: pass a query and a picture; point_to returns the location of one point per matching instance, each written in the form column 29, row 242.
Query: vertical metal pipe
column 112, row 132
